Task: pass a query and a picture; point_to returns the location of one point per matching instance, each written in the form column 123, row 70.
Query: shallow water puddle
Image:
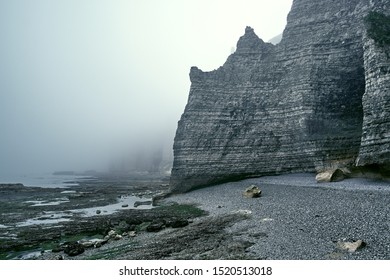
column 54, row 217
column 68, row 192
column 47, row 219
column 125, row 202
column 37, row 203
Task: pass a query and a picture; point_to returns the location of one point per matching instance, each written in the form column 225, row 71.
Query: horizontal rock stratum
column 318, row 100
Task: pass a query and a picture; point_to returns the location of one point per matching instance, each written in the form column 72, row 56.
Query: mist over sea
column 44, row 180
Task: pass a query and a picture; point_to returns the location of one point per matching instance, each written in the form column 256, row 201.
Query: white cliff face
column 293, row 107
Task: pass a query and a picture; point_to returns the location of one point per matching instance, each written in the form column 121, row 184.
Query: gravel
column 296, row 218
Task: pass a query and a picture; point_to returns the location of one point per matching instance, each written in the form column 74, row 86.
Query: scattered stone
column 99, row 244
column 86, row 243
column 125, row 205
column 118, row 237
column 92, row 243
column 351, row 246
column 252, row 192
column 110, row 235
column 179, row 223
column 98, row 212
column 155, row 226
column 73, row 249
column 132, row 234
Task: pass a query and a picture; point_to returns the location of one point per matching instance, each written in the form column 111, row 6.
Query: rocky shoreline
column 35, row 219
column 290, row 217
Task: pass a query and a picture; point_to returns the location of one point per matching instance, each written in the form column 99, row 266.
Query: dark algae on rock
column 317, row 101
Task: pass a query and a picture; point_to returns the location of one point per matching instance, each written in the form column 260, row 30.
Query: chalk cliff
column 375, row 144
column 317, row 100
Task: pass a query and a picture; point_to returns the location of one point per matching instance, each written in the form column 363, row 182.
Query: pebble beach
column 297, row 218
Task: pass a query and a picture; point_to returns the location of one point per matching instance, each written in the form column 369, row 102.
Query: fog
column 85, row 84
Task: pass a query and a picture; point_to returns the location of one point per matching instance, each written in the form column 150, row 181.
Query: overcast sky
column 82, row 81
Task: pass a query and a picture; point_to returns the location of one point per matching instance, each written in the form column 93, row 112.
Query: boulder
column 252, row 192
column 351, row 246
column 111, row 235
column 331, row 175
column 73, row 249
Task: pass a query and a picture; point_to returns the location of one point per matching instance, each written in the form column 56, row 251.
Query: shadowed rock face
column 375, row 145
column 293, row 107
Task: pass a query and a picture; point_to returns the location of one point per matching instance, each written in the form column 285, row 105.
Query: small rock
column 87, row 243
column 110, row 235
column 99, row 243
column 132, row 234
column 125, row 205
column 98, row 212
column 118, row 237
column 351, row 246
column 73, row 249
column 155, row 227
column 252, row 192
column 179, row 223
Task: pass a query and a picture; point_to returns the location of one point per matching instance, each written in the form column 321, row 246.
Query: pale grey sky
column 82, row 81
